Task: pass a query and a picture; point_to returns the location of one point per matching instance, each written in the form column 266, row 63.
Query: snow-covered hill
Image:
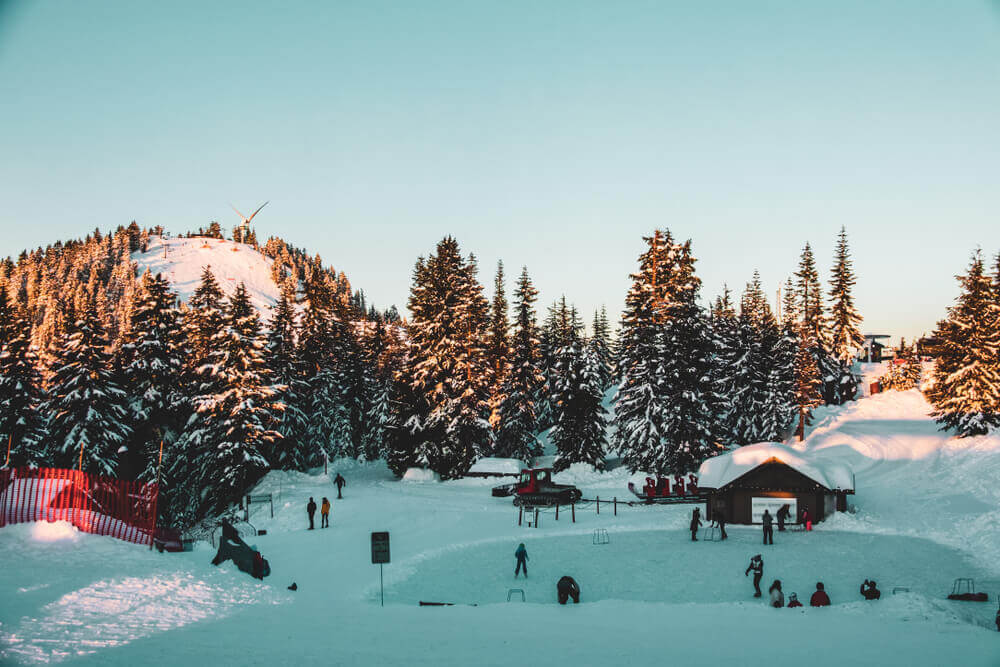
column 182, row 260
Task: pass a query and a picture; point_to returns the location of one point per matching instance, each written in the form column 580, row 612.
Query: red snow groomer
column 535, row 488
column 659, row 490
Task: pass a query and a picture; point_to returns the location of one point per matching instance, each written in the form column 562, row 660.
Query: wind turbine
column 245, row 225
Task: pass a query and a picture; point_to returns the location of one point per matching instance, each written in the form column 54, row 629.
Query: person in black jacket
column 311, row 511
column 782, row 515
column 870, row 591
column 341, row 483
column 757, row 565
column 695, row 523
column 768, row 528
column 567, row 588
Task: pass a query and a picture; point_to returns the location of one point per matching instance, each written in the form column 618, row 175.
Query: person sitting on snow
column 870, row 591
column 567, row 588
column 777, row 597
column 793, row 601
column 819, row 598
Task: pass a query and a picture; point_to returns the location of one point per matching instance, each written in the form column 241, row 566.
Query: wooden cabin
column 743, row 483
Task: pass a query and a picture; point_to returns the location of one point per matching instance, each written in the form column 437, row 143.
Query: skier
column 522, row 560
column 757, row 565
column 324, row 512
column 777, row 597
column 311, row 511
column 870, row 591
column 341, row 483
column 695, row 523
column 568, row 588
column 768, row 528
column 793, row 601
column 782, row 516
column 819, row 598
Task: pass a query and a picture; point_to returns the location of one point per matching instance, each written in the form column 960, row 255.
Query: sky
column 551, row 135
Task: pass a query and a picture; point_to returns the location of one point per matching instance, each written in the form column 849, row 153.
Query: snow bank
column 497, row 466
column 421, row 475
column 54, row 531
column 717, row 472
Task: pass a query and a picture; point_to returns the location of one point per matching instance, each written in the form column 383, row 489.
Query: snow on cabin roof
column 497, row 466
column 720, row 471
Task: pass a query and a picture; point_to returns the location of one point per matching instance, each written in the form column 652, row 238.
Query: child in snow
column 522, row 560
column 819, row 598
column 695, row 523
column 757, row 565
column 324, row 513
column 869, row 591
column 311, row 511
column 777, row 597
column 568, row 588
column 793, row 601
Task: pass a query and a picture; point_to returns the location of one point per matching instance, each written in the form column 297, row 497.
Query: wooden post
column 557, row 511
column 520, row 515
column 536, row 517
column 615, row 501
column 572, row 509
column 598, row 504
column 10, row 439
column 80, row 466
column 156, row 501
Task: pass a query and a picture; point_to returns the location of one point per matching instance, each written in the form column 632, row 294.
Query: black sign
column 380, row 548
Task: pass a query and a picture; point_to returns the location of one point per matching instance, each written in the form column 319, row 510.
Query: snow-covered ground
column 231, row 263
column 927, row 513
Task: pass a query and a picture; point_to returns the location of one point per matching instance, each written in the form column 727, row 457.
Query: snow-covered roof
column 495, row 466
column 717, row 472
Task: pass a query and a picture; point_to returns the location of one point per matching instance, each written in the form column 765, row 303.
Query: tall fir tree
column 845, row 334
column 966, row 388
column 602, row 344
column 808, row 384
column 286, row 371
column 498, row 347
column 579, row 435
column 810, row 298
column 22, row 427
column 518, row 418
column 86, row 406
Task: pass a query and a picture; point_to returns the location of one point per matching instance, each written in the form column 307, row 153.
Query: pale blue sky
column 549, row 134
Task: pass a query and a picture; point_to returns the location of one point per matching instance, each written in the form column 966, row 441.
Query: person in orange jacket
column 819, row 598
column 324, row 511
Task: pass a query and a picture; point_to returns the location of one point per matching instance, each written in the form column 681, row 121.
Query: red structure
column 94, row 504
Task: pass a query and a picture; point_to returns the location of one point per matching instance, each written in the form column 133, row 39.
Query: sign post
column 380, row 555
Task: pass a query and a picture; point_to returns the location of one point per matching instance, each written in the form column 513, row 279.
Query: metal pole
column 615, row 500
column 557, row 511
column 572, row 508
column 598, row 504
column 380, row 587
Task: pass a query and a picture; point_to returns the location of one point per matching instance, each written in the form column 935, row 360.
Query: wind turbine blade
column 257, row 211
column 242, row 217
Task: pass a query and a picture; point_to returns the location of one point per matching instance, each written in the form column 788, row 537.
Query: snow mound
column 181, row 261
column 54, row 531
column 717, row 472
column 497, row 466
column 421, row 475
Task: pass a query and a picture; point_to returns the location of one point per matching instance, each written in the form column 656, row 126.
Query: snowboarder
column 568, row 588
column 793, row 601
column 341, row 483
column 768, row 528
column 757, row 565
column 819, row 598
column 695, row 523
column 783, row 512
column 324, row 513
column 311, row 511
column 870, row 591
column 522, row 560
column 777, row 597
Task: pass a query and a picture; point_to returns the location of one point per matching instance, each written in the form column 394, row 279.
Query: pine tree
column 810, row 299
column 579, row 433
column 966, row 389
column 318, row 356
column 152, row 365
column 451, row 372
column 287, row 376
column 601, row 343
column 732, row 342
column 22, row 427
column 846, row 337
column 807, row 381
column 498, row 349
column 518, row 419
column 229, row 431
column 86, row 406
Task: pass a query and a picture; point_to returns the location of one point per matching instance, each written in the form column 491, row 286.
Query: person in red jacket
column 793, row 601
column 819, row 598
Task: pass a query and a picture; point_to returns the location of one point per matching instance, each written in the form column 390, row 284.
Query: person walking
column 522, row 560
column 341, row 483
column 311, row 511
column 324, row 514
column 695, row 523
column 757, row 565
column 782, row 515
column 806, row 520
column 819, row 598
column 720, row 519
column 768, row 528
column 777, row 597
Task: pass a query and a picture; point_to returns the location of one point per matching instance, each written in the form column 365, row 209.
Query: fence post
column 572, row 509
column 615, row 500
column 520, row 514
column 536, row 517
column 557, row 511
column 598, row 504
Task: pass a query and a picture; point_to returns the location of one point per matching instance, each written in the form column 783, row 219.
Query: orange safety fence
column 94, row 504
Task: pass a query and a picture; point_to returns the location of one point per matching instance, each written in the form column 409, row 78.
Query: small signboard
column 380, row 548
column 758, row 505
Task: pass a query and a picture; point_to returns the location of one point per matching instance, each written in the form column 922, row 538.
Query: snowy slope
column 230, row 262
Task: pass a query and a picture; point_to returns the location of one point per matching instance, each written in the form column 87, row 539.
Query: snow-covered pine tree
column 86, row 405
column 731, row 339
column 807, row 381
column 966, row 389
column 287, row 376
column 152, row 362
column 22, row 427
column 602, row 344
column 451, row 371
column 845, row 336
column 498, row 347
column 518, row 421
column 810, row 298
column 579, row 435
column 230, row 427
